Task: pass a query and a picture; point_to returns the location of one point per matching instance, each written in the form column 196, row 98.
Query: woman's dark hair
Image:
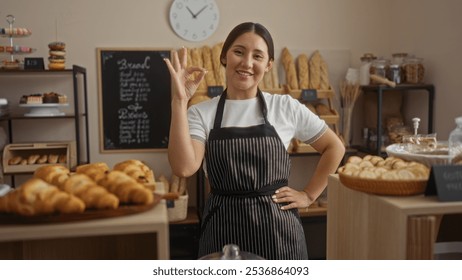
column 245, row 27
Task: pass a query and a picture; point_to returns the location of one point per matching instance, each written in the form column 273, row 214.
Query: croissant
column 37, row 197
column 92, row 194
column 137, row 170
column 56, row 175
column 126, row 188
column 80, row 185
column 96, row 171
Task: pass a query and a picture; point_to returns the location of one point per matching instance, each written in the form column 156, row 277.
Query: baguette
column 315, row 70
column 218, row 69
column 289, row 67
column 208, row 65
column 303, row 71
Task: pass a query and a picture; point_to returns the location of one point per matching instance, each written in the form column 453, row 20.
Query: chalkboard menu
column 134, row 96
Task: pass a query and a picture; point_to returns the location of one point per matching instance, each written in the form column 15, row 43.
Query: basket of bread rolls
column 176, row 197
column 384, row 176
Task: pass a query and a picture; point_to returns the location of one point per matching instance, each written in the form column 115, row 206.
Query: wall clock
column 194, row 20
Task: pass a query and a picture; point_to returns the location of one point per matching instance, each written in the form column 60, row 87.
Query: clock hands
column 194, row 15
column 190, row 12
column 200, row 11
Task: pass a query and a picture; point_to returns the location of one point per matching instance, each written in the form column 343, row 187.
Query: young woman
column 242, row 136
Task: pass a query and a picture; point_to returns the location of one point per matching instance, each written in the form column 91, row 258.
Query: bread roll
column 14, row 160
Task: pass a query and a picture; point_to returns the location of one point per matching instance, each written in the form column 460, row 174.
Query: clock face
column 194, row 20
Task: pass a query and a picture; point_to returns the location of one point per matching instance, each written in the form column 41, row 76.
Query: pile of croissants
column 55, row 189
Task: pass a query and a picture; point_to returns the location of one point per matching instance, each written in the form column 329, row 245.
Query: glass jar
column 396, row 70
column 366, row 61
column 414, row 70
column 379, row 67
column 395, row 73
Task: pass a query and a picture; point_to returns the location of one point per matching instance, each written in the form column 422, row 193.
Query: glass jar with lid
column 379, row 67
column 414, row 70
column 366, row 61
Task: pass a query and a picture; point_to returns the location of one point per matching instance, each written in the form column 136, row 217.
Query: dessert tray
column 44, row 110
column 435, row 156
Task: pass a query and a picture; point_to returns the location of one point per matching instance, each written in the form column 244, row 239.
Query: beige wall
column 342, row 29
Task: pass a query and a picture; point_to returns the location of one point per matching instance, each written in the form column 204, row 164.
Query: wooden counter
column 365, row 226
column 138, row 236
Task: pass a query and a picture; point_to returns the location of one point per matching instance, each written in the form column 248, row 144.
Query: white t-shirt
column 290, row 118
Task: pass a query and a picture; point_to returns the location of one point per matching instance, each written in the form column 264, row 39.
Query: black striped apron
column 245, row 166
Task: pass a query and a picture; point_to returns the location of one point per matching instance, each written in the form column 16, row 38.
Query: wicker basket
column 177, row 209
column 384, row 187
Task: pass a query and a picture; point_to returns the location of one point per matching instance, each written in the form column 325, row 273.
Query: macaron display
column 57, row 60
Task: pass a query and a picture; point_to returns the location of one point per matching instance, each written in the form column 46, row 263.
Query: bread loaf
column 290, row 70
column 208, row 65
column 196, row 60
column 275, row 77
column 218, row 69
column 315, row 70
column 324, row 82
column 303, row 71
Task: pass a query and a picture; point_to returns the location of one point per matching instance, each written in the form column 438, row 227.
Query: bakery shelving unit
column 78, row 113
column 380, row 90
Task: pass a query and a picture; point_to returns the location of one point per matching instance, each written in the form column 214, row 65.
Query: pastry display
column 43, row 98
column 55, row 189
column 57, row 55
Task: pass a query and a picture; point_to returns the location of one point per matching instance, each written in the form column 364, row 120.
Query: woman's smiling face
column 246, row 62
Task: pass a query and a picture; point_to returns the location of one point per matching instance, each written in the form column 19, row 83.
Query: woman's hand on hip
column 292, row 198
column 184, row 79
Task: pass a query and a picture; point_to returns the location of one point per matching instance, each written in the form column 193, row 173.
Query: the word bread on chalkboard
column 134, row 91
